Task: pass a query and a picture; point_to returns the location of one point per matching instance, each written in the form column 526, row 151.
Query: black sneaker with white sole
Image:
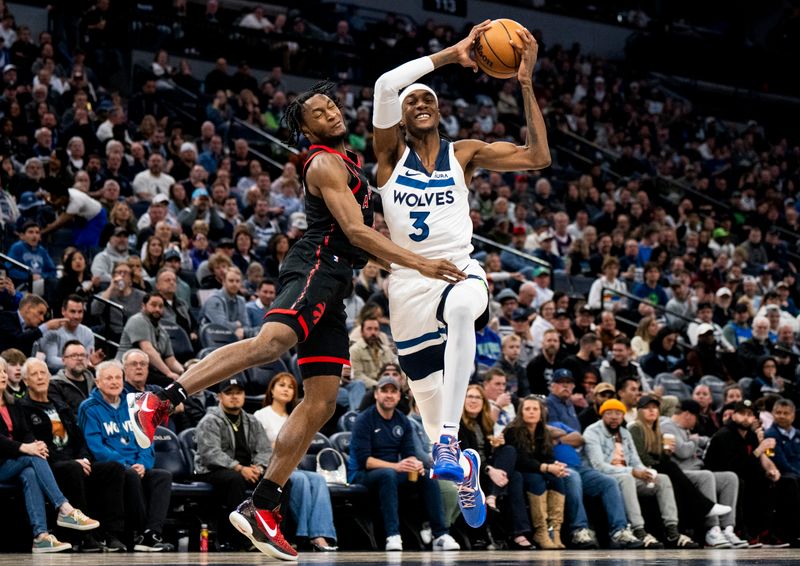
column 151, row 541
column 113, row 544
column 90, row 544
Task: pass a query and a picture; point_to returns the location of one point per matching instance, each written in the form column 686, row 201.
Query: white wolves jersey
column 428, row 213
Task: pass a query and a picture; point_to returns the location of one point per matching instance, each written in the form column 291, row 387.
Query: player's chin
column 420, row 129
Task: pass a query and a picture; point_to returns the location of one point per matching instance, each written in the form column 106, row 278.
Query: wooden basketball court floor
column 544, row 558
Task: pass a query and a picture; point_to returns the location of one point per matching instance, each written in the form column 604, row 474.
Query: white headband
column 416, row 86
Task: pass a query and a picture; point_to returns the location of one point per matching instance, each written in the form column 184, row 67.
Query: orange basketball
column 494, row 54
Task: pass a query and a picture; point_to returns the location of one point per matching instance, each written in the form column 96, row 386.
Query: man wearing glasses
column 72, row 385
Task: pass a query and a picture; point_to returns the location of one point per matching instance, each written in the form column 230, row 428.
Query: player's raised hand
column 441, row 269
column 528, row 50
column 463, row 49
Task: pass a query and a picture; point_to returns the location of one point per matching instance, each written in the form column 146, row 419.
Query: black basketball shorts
column 311, row 302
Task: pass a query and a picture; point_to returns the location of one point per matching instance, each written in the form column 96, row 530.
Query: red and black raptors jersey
column 323, row 229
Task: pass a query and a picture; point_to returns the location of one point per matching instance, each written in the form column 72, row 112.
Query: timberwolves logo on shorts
column 397, row 431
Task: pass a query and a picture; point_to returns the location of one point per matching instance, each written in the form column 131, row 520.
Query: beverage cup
column 653, row 474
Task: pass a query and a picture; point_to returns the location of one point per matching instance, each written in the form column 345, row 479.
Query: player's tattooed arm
column 505, row 156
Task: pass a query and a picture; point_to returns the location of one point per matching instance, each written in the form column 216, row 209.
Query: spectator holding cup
column 609, row 448
column 654, row 449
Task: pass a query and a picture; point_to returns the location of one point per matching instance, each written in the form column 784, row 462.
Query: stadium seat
column 716, row 386
column 319, row 442
column 581, row 284
column 561, row 282
column 309, row 461
column 170, row 456
column 745, row 384
column 295, row 369
column 189, row 446
column 259, row 377
column 673, row 386
column 204, row 352
column 341, row 441
column 203, row 295
column 346, row 421
column 181, row 344
column 215, row 335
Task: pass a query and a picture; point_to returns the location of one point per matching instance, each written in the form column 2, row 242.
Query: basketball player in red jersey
column 308, row 312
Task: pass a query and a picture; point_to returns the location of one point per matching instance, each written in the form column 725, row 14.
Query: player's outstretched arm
column 327, row 177
column 387, row 135
column 505, row 156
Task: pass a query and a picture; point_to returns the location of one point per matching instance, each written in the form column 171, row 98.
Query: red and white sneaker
column 146, row 412
column 263, row 528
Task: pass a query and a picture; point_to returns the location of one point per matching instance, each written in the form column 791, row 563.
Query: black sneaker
column 151, row 541
column 625, row 539
column 113, row 544
column 90, row 544
column 648, row 540
column 682, row 542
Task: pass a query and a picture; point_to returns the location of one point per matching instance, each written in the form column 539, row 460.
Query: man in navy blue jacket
column 787, row 438
column 106, row 426
column 382, row 458
column 787, row 460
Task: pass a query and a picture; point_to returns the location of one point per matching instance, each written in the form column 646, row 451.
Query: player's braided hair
column 293, row 117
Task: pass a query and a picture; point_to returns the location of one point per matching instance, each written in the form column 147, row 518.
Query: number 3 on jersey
column 419, row 218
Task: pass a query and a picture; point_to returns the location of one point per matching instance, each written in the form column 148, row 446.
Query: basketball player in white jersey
column 423, row 181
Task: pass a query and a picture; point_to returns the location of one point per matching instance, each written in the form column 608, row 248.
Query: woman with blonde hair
column 137, row 274
column 645, row 333
column 542, row 475
column 121, row 216
column 655, row 452
column 309, row 499
column 147, row 127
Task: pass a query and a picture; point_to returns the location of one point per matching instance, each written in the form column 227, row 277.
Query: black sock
column 267, row 495
column 174, row 393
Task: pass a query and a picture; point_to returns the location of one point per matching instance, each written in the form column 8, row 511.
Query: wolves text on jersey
column 423, row 199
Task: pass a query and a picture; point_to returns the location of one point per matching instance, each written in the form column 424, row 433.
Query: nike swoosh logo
column 270, row 531
column 413, row 173
column 146, row 410
column 377, row 430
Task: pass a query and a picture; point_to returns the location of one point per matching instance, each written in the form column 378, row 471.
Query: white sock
column 464, row 304
column 448, row 429
column 428, row 396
